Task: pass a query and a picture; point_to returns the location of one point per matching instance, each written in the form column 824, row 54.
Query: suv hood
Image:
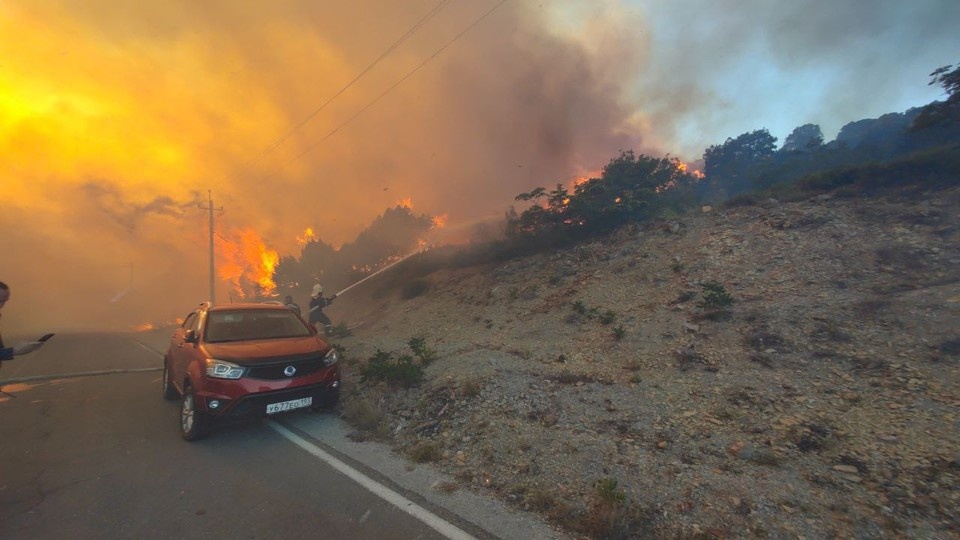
column 267, row 351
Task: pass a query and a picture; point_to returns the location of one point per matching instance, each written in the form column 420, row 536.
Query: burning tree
column 396, row 233
column 630, row 188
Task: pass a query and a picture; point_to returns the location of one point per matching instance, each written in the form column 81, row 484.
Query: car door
column 180, row 350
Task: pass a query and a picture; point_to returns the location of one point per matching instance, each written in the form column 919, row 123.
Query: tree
column 941, row 113
column 287, row 273
column 803, row 139
column 949, row 79
column 729, row 167
column 630, row 188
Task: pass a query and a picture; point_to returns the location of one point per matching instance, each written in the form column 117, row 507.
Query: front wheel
column 329, row 403
column 169, row 391
column 193, row 422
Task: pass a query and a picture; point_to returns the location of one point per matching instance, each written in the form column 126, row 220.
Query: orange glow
column 145, row 327
column 440, row 221
column 685, row 168
column 245, row 260
column 308, row 236
column 405, row 203
column 579, row 180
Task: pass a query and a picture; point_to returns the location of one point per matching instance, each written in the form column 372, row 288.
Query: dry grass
column 363, row 413
column 471, row 386
column 426, row 452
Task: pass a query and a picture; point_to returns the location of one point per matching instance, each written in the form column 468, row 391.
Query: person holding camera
column 25, row 347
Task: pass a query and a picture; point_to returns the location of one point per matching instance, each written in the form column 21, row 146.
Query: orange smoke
column 244, row 260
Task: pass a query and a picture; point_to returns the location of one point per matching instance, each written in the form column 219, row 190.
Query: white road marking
column 433, row 521
column 158, row 353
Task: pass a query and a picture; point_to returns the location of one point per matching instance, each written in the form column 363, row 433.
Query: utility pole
column 210, row 208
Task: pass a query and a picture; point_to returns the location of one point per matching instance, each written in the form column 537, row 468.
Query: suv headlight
column 223, row 370
column 331, row 358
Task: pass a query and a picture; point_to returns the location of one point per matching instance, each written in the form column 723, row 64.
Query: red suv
column 237, row 360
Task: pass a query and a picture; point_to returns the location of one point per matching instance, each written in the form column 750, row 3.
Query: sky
column 120, row 120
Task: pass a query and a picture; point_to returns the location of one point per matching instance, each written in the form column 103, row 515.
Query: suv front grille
column 275, row 372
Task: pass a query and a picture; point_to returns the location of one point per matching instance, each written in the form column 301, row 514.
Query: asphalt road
column 99, row 456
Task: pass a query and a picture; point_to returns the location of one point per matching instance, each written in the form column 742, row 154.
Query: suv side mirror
column 190, row 337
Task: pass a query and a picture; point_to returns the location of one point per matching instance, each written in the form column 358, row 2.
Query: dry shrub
column 363, row 413
column 611, row 515
column 761, row 338
column 567, row 377
column 426, row 452
column 471, row 386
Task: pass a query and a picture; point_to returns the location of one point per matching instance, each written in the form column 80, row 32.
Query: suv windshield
column 249, row 324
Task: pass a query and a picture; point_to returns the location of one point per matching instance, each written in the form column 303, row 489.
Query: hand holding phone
column 46, row 337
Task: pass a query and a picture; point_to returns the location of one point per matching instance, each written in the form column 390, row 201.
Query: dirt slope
column 589, row 386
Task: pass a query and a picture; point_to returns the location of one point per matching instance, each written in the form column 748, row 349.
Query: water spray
column 380, row 271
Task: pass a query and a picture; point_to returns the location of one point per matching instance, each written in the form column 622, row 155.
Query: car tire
column 169, row 390
column 328, row 404
column 193, row 422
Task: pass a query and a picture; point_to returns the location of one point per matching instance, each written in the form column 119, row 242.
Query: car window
column 194, row 323
column 251, row 324
column 189, row 320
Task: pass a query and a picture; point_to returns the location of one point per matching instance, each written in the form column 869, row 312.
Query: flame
column 246, row 261
column 580, row 180
column 308, row 236
column 405, row 203
column 685, row 168
column 145, row 327
column 440, row 221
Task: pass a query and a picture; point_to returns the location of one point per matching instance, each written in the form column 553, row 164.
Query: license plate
column 289, row 405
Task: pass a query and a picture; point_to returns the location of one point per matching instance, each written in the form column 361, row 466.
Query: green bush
column 715, row 296
column 341, row 330
column 382, row 367
column 619, row 332
column 608, row 492
column 419, row 347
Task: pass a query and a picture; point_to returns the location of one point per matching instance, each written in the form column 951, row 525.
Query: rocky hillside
column 616, row 389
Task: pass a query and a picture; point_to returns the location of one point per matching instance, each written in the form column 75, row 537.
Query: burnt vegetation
column 910, row 152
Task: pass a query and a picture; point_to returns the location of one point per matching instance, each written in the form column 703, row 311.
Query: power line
column 387, row 91
column 283, row 138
